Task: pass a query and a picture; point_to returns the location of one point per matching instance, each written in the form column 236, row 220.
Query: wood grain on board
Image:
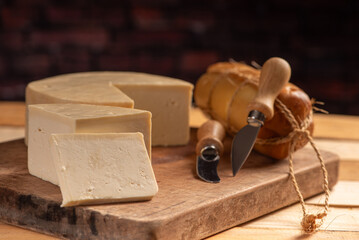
column 336, row 126
column 252, row 233
column 342, row 221
column 341, row 139
column 184, row 208
column 14, row 112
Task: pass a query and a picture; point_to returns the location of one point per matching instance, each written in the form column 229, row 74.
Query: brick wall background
column 320, row 39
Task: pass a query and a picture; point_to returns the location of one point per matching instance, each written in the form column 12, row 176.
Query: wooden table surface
column 337, row 133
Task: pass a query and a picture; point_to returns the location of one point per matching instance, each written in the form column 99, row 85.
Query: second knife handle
column 275, row 74
column 211, row 132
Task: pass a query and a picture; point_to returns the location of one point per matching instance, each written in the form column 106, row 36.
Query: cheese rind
column 46, row 119
column 170, row 112
column 168, row 99
column 102, row 168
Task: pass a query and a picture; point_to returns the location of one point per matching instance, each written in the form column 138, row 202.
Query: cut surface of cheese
column 204, row 88
column 101, row 168
column 46, row 119
column 168, row 99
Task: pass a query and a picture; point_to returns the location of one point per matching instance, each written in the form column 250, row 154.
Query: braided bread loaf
column 226, row 89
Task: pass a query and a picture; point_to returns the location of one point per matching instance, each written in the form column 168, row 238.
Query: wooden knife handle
column 210, row 133
column 275, row 74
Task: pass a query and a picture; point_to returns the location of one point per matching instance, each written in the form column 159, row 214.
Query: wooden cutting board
column 184, row 208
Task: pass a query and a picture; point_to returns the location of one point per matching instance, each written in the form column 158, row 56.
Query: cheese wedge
column 46, row 119
column 95, row 168
column 168, row 99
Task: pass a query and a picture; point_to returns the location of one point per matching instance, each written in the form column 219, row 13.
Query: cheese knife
column 274, row 75
column 209, row 149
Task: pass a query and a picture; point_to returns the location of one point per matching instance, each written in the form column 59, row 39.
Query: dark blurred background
column 320, row 39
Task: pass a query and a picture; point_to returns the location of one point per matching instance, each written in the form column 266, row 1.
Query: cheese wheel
column 238, row 110
column 168, row 99
column 300, row 105
column 204, row 87
column 235, row 85
column 222, row 95
column 240, row 69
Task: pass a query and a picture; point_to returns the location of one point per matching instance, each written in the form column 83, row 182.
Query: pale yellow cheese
column 226, row 93
column 222, row 95
column 102, row 168
column 46, row 119
column 204, row 88
column 168, row 99
column 238, row 109
column 230, row 98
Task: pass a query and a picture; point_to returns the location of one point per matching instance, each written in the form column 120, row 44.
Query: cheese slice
column 95, row 168
column 166, row 98
column 46, row 119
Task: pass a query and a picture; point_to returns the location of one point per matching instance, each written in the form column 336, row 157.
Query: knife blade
column 274, row 75
column 209, row 149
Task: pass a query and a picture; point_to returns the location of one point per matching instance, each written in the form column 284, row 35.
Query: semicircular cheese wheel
column 168, row 99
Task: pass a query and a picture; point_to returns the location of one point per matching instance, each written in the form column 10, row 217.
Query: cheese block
column 95, row 168
column 46, row 119
column 166, row 98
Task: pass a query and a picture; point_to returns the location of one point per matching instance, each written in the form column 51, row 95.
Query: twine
column 309, row 221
